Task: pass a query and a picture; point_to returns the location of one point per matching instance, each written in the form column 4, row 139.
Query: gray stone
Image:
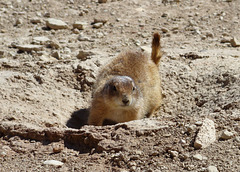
column 30, row 47
column 53, row 162
column 212, row 169
column 56, row 24
column 206, row 134
column 226, row 135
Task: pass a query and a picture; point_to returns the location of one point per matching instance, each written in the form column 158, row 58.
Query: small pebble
column 212, row 169
column 102, row 1
column 56, row 54
column 79, row 25
column 226, row 135
column 35, row 20
column 53, row 162
column 198, row 157
column 198, row 123
column 18, row 22
column 97, row 25
column 235, row 42
column 173, row 153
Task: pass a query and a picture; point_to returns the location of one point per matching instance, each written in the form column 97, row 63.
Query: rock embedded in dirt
column 54, row 44
column 102, row 1
column 35, row 20
column 57, row 147
column 56, row 24
column 164, row 30
column 173, row 153
column 1, row 53
column 41, row 40
column 84, row 55
column 212, row 169
column 82, row 37
column 235, row 42
column 53, row 162
column 18, row 22
column 206, row 134
column 226, row 135
column 30, row 47
column 79, row 25
column 100, row 20
column 56, row 54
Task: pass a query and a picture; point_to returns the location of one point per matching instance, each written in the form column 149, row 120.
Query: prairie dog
column 128, row 88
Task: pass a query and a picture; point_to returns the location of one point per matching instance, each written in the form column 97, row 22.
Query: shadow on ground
column 78, row 119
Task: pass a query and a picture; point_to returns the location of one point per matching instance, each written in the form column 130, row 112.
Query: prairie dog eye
column 134, row 88
column 114, row 88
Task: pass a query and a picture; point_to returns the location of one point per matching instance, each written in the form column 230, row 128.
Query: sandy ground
column 45, row 93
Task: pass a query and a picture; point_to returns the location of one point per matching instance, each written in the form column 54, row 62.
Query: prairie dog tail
column 156, row 48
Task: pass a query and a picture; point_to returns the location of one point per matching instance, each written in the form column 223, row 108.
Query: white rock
column 40, row 40
column 56, row 24
column 29, row 47
column 206, row 134
column 212, row 169
column 226, row 135
column 146, row 49
column 53, row 162
column 198, row 123
column 97, row 25
column 198, row 157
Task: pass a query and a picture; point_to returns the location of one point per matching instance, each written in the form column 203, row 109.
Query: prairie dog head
column 121, row 92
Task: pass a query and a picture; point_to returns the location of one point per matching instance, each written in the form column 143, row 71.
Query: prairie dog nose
column 125, row 100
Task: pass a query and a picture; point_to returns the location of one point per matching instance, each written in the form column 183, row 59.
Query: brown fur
column 128, row 88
